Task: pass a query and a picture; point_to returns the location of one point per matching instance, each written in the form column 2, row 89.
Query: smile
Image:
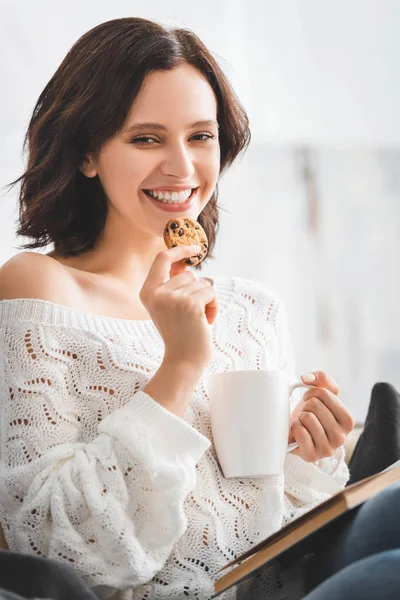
column 170, row 197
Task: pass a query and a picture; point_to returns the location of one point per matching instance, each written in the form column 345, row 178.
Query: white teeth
column 171, row 198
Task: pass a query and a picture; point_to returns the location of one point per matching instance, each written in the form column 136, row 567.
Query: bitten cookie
column 183, row 231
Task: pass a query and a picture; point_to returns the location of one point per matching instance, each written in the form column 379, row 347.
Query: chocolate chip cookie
column 183, row 231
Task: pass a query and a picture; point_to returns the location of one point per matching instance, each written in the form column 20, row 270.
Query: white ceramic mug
column 250, row 418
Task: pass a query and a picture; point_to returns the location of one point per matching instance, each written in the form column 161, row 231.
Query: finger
column 334, row 404
column 321, row 443
column 297, row 410
column 321, row 379
column 194, row 286
column 181, row 267
column 208, row 296
column 205, row 295
column 212, row 311
column 160, row 270
column 178, row 281
column 333, row 430
column 306, row 447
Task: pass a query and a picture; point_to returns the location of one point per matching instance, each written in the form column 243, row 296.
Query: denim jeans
column 362, row 558
column 373, row 578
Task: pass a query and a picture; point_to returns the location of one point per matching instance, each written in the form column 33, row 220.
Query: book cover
column 305, row 526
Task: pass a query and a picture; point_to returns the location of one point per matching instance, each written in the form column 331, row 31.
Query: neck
column 123, row 254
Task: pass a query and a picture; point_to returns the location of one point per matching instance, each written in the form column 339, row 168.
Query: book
column 305, row 526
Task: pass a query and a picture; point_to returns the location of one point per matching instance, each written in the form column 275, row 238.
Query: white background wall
column 320, row 81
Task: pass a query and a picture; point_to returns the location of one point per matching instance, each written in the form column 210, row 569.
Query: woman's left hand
column 320, row 422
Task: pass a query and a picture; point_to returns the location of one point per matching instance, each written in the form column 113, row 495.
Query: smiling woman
column 107, row 454
column 81, row 175
column 173, row 155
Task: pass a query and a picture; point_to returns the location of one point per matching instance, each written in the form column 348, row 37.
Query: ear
column 88, row 167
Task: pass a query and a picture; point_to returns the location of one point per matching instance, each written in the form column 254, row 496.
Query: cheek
column 211, row 167
column 120, row 172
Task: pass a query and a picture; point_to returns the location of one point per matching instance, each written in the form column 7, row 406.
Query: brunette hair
column 84, row 104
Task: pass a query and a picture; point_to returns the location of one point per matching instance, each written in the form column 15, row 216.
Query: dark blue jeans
column 362, row 558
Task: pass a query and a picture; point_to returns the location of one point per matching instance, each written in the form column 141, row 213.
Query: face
column 165, row 160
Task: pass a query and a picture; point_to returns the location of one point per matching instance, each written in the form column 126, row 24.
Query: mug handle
column 291, row 390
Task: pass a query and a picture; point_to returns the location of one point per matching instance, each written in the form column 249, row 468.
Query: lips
column 172, row 208
column 147, row 192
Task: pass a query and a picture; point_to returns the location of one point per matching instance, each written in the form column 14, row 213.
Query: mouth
column 172, row 205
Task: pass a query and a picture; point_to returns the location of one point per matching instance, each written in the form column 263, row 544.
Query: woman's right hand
column 182, row 307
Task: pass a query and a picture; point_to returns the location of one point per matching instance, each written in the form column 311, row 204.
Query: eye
column 205, row 136
column 147, row 140
column 144, row 139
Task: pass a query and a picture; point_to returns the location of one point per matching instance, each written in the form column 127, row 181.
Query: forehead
column 181, row 95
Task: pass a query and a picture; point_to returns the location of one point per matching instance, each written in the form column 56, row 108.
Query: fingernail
column 195, row 248
column 308, row 378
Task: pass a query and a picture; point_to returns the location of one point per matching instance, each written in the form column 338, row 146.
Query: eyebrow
column 143, row 126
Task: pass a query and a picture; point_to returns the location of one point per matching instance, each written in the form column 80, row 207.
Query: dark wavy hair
column 84, row 104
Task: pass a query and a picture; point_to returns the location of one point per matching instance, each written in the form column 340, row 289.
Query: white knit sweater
column 96, row 473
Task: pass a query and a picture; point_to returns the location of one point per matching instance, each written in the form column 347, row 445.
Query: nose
column 178, row 162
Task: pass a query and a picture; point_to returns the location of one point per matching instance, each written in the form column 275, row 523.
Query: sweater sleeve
column 306, row 484
column 113, row 505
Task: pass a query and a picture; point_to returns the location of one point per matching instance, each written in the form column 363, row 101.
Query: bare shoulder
column 33, row 275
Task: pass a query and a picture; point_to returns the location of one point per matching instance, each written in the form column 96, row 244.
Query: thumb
column 321, row 379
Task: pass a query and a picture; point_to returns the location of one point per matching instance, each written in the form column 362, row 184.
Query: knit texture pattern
column 96, row 473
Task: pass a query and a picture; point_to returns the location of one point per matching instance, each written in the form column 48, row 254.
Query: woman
column 107, row 456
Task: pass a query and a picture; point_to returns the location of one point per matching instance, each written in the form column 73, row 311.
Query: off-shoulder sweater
column 96, row 473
